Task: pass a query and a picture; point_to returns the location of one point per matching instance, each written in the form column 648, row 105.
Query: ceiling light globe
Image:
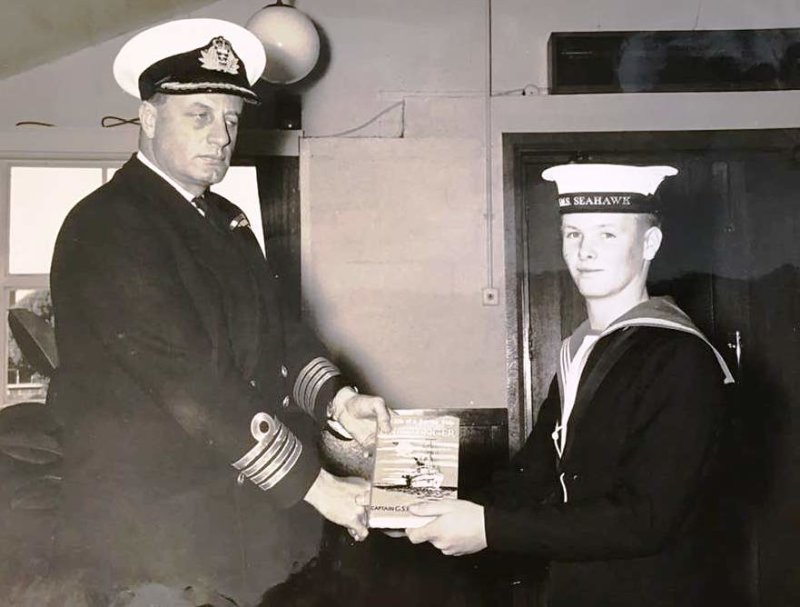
column 290, row 40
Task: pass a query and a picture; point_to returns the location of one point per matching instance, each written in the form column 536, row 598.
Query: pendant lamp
column 290, row 39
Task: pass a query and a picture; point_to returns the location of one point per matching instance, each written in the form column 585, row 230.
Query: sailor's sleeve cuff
column 510, row 530
column 276, row 455
column 494, row 528
column 316, row 384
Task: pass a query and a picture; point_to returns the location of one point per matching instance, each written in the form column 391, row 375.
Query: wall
column 398, row 214
column 392, row 265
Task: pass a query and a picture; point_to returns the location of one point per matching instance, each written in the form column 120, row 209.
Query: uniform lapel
column 218, row 290
column 593, row 376
column 617, row 339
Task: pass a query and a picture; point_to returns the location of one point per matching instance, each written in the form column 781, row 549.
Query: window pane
column 41, row 197
column 24, row 381
column 240, row 186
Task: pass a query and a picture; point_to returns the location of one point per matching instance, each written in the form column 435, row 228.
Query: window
column 35, row 198
column 240, row 186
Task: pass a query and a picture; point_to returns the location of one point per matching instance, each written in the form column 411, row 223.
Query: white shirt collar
column 181, row 190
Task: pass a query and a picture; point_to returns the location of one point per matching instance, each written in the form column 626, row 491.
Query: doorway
column 731, row 260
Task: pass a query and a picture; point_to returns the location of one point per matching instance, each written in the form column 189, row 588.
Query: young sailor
column 609, row 486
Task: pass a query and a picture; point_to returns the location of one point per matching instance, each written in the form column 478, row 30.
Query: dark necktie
column 201, row 203
column 211, row 212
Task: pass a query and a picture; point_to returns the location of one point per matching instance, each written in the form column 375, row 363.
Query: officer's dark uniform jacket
column 189, row 397
column 617, row 515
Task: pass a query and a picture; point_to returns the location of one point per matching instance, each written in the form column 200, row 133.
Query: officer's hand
column 458, row 528
column 341, row 501
column 358, row 414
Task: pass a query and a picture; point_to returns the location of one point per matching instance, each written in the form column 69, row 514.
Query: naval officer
column 192, row 400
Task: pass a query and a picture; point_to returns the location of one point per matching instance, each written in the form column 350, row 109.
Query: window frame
column 10, row 282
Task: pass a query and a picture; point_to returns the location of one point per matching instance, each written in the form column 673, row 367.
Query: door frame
column 555, row 148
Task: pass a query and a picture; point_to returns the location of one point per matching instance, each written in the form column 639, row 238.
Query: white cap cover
column 609, row 188
column 190, row 56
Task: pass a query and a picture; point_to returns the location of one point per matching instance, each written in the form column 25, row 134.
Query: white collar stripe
column 671, row 324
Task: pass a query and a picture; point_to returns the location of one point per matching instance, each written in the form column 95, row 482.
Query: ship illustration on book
column 426, row 474
column 416, row 461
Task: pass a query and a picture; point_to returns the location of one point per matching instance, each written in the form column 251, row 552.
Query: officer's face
column 607, row 253
column 192, row 136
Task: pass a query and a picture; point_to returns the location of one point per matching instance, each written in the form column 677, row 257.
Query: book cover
column 417, row 460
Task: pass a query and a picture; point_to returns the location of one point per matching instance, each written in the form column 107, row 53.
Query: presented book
column 416, row 461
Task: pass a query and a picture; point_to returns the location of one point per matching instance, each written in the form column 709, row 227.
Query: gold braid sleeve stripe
column 275, row 453
column 310, row 380
column 196, row 86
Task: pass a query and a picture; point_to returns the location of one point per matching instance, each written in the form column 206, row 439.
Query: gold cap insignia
column 219, row 56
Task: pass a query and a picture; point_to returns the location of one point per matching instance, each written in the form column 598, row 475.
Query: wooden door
column 730, row 259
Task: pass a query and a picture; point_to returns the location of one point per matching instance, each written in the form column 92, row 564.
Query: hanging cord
column 487, row 142
column 109, row 122
column 529, row 90
column 400, row 103
column 697, row 14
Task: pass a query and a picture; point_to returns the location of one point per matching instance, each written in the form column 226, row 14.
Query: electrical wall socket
column 490, row 297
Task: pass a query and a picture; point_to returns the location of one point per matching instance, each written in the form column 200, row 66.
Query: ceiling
column 30, row 36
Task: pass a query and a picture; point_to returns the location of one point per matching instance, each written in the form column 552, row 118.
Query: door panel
column 730, row 259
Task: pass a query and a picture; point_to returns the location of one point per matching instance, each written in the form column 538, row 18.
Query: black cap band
column 214, row 68
column 608, row 202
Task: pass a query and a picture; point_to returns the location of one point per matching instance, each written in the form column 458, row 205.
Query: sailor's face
column 193, row 137
column 606, row 253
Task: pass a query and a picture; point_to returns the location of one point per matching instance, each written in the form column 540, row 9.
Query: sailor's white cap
column 609, row 188
column 191, row 56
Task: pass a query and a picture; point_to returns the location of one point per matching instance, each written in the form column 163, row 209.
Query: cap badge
column 219, row 56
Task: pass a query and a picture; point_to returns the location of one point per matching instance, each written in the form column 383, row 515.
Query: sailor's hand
column 357, row 413
column 458, row 528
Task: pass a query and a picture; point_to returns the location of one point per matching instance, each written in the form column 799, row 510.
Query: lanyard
column 571, row 373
